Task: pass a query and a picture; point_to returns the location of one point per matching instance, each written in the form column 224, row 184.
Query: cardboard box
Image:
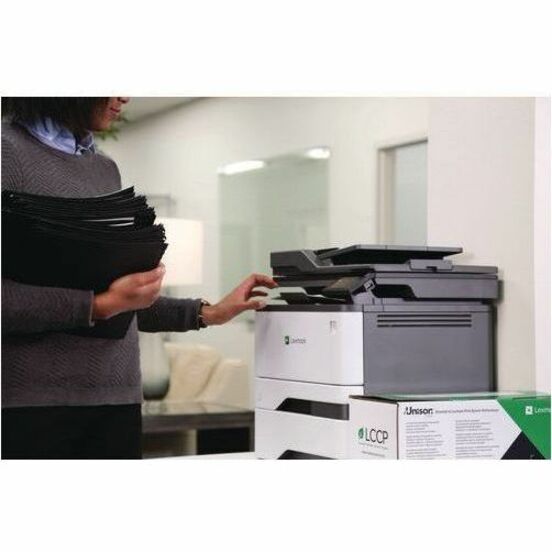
column 473, row 425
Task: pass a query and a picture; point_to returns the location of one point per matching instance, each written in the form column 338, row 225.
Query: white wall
column 178, row 152
column 542, row 243
column 480, row 196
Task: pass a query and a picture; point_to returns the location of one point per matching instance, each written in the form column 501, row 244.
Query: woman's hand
column 238, row 300
column 132, row 292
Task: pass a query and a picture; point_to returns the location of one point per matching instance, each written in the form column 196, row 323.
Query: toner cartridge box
column 474, row 425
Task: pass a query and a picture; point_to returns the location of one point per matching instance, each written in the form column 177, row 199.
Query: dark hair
column 74, row 113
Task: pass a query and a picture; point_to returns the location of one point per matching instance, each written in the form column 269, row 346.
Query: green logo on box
column 286, row 339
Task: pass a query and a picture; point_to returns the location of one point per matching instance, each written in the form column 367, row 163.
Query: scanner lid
column 360, row 259
column 384, row 254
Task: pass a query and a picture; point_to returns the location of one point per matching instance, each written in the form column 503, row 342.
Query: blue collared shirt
column 58, row 137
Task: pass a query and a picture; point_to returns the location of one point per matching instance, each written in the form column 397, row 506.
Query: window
column 403, row 194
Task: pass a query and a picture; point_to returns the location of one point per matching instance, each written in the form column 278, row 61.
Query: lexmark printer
column 367, row 319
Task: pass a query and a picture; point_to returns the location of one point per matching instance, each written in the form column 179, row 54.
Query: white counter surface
column 227, row 456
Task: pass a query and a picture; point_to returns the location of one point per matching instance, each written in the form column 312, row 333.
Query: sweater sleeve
column 168, row 314
column 31, row 309
column 12, row 176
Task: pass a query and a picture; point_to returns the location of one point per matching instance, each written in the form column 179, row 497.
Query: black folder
column 80, row 243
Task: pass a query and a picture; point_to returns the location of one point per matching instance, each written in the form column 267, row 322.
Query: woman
column 65, row 395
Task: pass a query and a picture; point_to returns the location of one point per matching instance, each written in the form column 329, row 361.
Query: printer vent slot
column 424, row 320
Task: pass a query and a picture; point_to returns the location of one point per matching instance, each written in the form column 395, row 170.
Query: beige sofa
column 200, row 373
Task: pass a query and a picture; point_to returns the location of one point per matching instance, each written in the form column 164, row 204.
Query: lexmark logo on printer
column 411, row 411
column 294, row 340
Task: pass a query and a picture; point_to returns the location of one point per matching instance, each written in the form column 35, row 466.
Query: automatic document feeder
column 366, row 320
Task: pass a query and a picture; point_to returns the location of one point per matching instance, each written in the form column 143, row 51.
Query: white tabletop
column 225, row 456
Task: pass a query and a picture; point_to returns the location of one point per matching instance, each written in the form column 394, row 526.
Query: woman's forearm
column 170, row 315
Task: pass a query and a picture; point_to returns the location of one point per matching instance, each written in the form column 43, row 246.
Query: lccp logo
column 294, row 340
column 373, row 435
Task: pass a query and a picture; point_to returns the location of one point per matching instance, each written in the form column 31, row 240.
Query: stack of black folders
column 80, row 244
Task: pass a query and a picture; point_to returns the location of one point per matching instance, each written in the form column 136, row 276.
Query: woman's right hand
column 132, row 292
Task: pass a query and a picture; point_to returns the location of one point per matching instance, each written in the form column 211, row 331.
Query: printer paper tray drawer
column 278, row 432
column 271, row 393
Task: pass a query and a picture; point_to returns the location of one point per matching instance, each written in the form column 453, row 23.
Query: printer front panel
column 419, row 351
column 318, row 347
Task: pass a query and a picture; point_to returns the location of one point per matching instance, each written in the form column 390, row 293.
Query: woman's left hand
column 239, row 300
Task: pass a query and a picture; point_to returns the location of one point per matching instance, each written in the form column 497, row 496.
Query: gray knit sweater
column 42, row 365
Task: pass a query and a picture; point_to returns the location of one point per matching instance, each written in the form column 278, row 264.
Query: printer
column 365, row 319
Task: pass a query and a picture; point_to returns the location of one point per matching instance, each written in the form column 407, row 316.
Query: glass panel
column 283, row 205
column 409, row 193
